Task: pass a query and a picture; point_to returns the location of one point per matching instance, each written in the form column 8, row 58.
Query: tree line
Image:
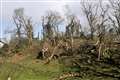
column 103, row 23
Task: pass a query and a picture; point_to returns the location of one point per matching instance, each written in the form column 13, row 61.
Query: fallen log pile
column 88, row 64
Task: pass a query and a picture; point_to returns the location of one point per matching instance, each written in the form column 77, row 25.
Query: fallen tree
column 85, row 57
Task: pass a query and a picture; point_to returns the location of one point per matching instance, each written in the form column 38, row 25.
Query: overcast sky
column 36, row 9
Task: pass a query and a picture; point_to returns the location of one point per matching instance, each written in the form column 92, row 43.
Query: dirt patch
column 17, row 57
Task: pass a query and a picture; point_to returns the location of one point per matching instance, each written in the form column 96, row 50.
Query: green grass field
column 32, row 69
column 29, row 69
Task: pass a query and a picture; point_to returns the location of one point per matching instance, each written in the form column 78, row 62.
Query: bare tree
column 28, row 27
column 115, row 16
column 17, row 32
column 23, row 25
column 18, row 14
column 73, row 28
column 90, row 10
column 101, row 26
column 50, row 24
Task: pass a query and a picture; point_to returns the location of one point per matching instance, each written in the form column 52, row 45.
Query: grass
column 28, row 69
column 31, row 69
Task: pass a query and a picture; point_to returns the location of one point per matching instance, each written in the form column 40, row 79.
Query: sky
column 36, row 9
